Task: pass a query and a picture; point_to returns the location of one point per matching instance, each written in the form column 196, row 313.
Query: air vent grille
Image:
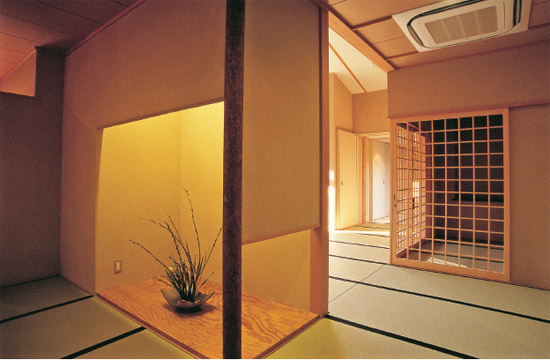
column 454, row 22
column 467, row 25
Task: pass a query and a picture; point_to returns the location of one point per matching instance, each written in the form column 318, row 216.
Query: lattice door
column 450, row 183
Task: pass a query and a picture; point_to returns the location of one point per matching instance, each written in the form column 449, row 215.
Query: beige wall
column 175, row 62
column 139, row 177
column 281, row 146
column 162, row 56
column 278, row 269
column 508, row 77
column 370, row 112
column 343, row 104
column 513, row 76
column 530, row 195
column 22, row 79
column 30, row 179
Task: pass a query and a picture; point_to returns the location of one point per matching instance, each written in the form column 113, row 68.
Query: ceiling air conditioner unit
column 453, row 22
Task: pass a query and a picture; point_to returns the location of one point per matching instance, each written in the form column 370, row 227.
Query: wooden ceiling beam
column 356, row 41
column 347, row 67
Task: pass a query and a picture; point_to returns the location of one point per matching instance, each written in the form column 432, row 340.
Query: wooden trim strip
column 318, row 270
column 506, row 179
column 232, row 179
column 283, row 233
column 361, row 45
column 402, row 55
column 105, row 26
column 464, row 112
column 369, row 23
column 347, row 67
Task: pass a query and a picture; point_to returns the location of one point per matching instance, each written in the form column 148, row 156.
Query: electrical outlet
column 118, row 266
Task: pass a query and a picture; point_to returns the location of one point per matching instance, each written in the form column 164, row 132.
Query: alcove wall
column 132, row 71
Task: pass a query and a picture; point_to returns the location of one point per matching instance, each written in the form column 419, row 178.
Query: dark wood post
column 232, row 178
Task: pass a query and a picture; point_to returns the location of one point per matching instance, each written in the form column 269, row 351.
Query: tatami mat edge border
column 444, row 299
column 400, row 337
column 104, row 343
column 29, row 282
column 361, row 260
column 45, row 309
column 358, row 244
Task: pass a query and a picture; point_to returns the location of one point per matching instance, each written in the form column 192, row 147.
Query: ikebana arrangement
column 184, row 275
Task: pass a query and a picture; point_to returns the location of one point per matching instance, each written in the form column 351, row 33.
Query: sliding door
column 451, row 196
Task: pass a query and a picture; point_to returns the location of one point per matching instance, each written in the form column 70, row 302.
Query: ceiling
column 383, row 42
column 365, row 42
column 56, row 24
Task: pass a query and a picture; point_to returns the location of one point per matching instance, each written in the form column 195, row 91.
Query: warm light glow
column 331, row 202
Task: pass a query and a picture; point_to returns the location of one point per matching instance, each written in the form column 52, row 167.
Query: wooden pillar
column 318, row 301
column 232, row 178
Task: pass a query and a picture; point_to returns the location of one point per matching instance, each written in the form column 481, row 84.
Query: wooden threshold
column 266, row 324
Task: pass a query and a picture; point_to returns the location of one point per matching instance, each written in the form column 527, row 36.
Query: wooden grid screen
column 451, row 194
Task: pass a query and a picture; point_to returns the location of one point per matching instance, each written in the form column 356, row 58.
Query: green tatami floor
column 376, row 311
column 453, row 315
column 52, row 318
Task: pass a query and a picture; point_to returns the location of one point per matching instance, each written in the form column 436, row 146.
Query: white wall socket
column 118, row 266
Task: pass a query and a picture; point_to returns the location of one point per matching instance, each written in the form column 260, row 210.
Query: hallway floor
column 376, row 311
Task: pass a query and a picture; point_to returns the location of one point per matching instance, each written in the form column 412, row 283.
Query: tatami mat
column 329, row 339
column 464, row 329
column 378, row 231
column 337, row 288
column 350, row 269
column 358, row 238
column 518, row 299
column 359, row 252
column 62, row 331
column 21, row 299
column 143, row 345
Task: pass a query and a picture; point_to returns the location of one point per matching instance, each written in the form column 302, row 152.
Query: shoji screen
column 451, row 193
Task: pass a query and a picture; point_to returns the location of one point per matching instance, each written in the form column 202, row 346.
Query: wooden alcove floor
column 266, row 324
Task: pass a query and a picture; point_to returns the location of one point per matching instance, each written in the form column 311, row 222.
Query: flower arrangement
column 185, row 273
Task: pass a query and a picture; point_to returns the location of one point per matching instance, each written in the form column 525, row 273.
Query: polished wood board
column 266, row 324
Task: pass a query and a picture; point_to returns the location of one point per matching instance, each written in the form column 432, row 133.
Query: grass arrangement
column 185, row 273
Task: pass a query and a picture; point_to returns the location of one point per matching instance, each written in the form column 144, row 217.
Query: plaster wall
column 370, row 112
column 161, row 57
column 139, row 178
column 174, row 62
column 22, row 79
column 530, row 195
column 281, row 146
column 30, row 179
